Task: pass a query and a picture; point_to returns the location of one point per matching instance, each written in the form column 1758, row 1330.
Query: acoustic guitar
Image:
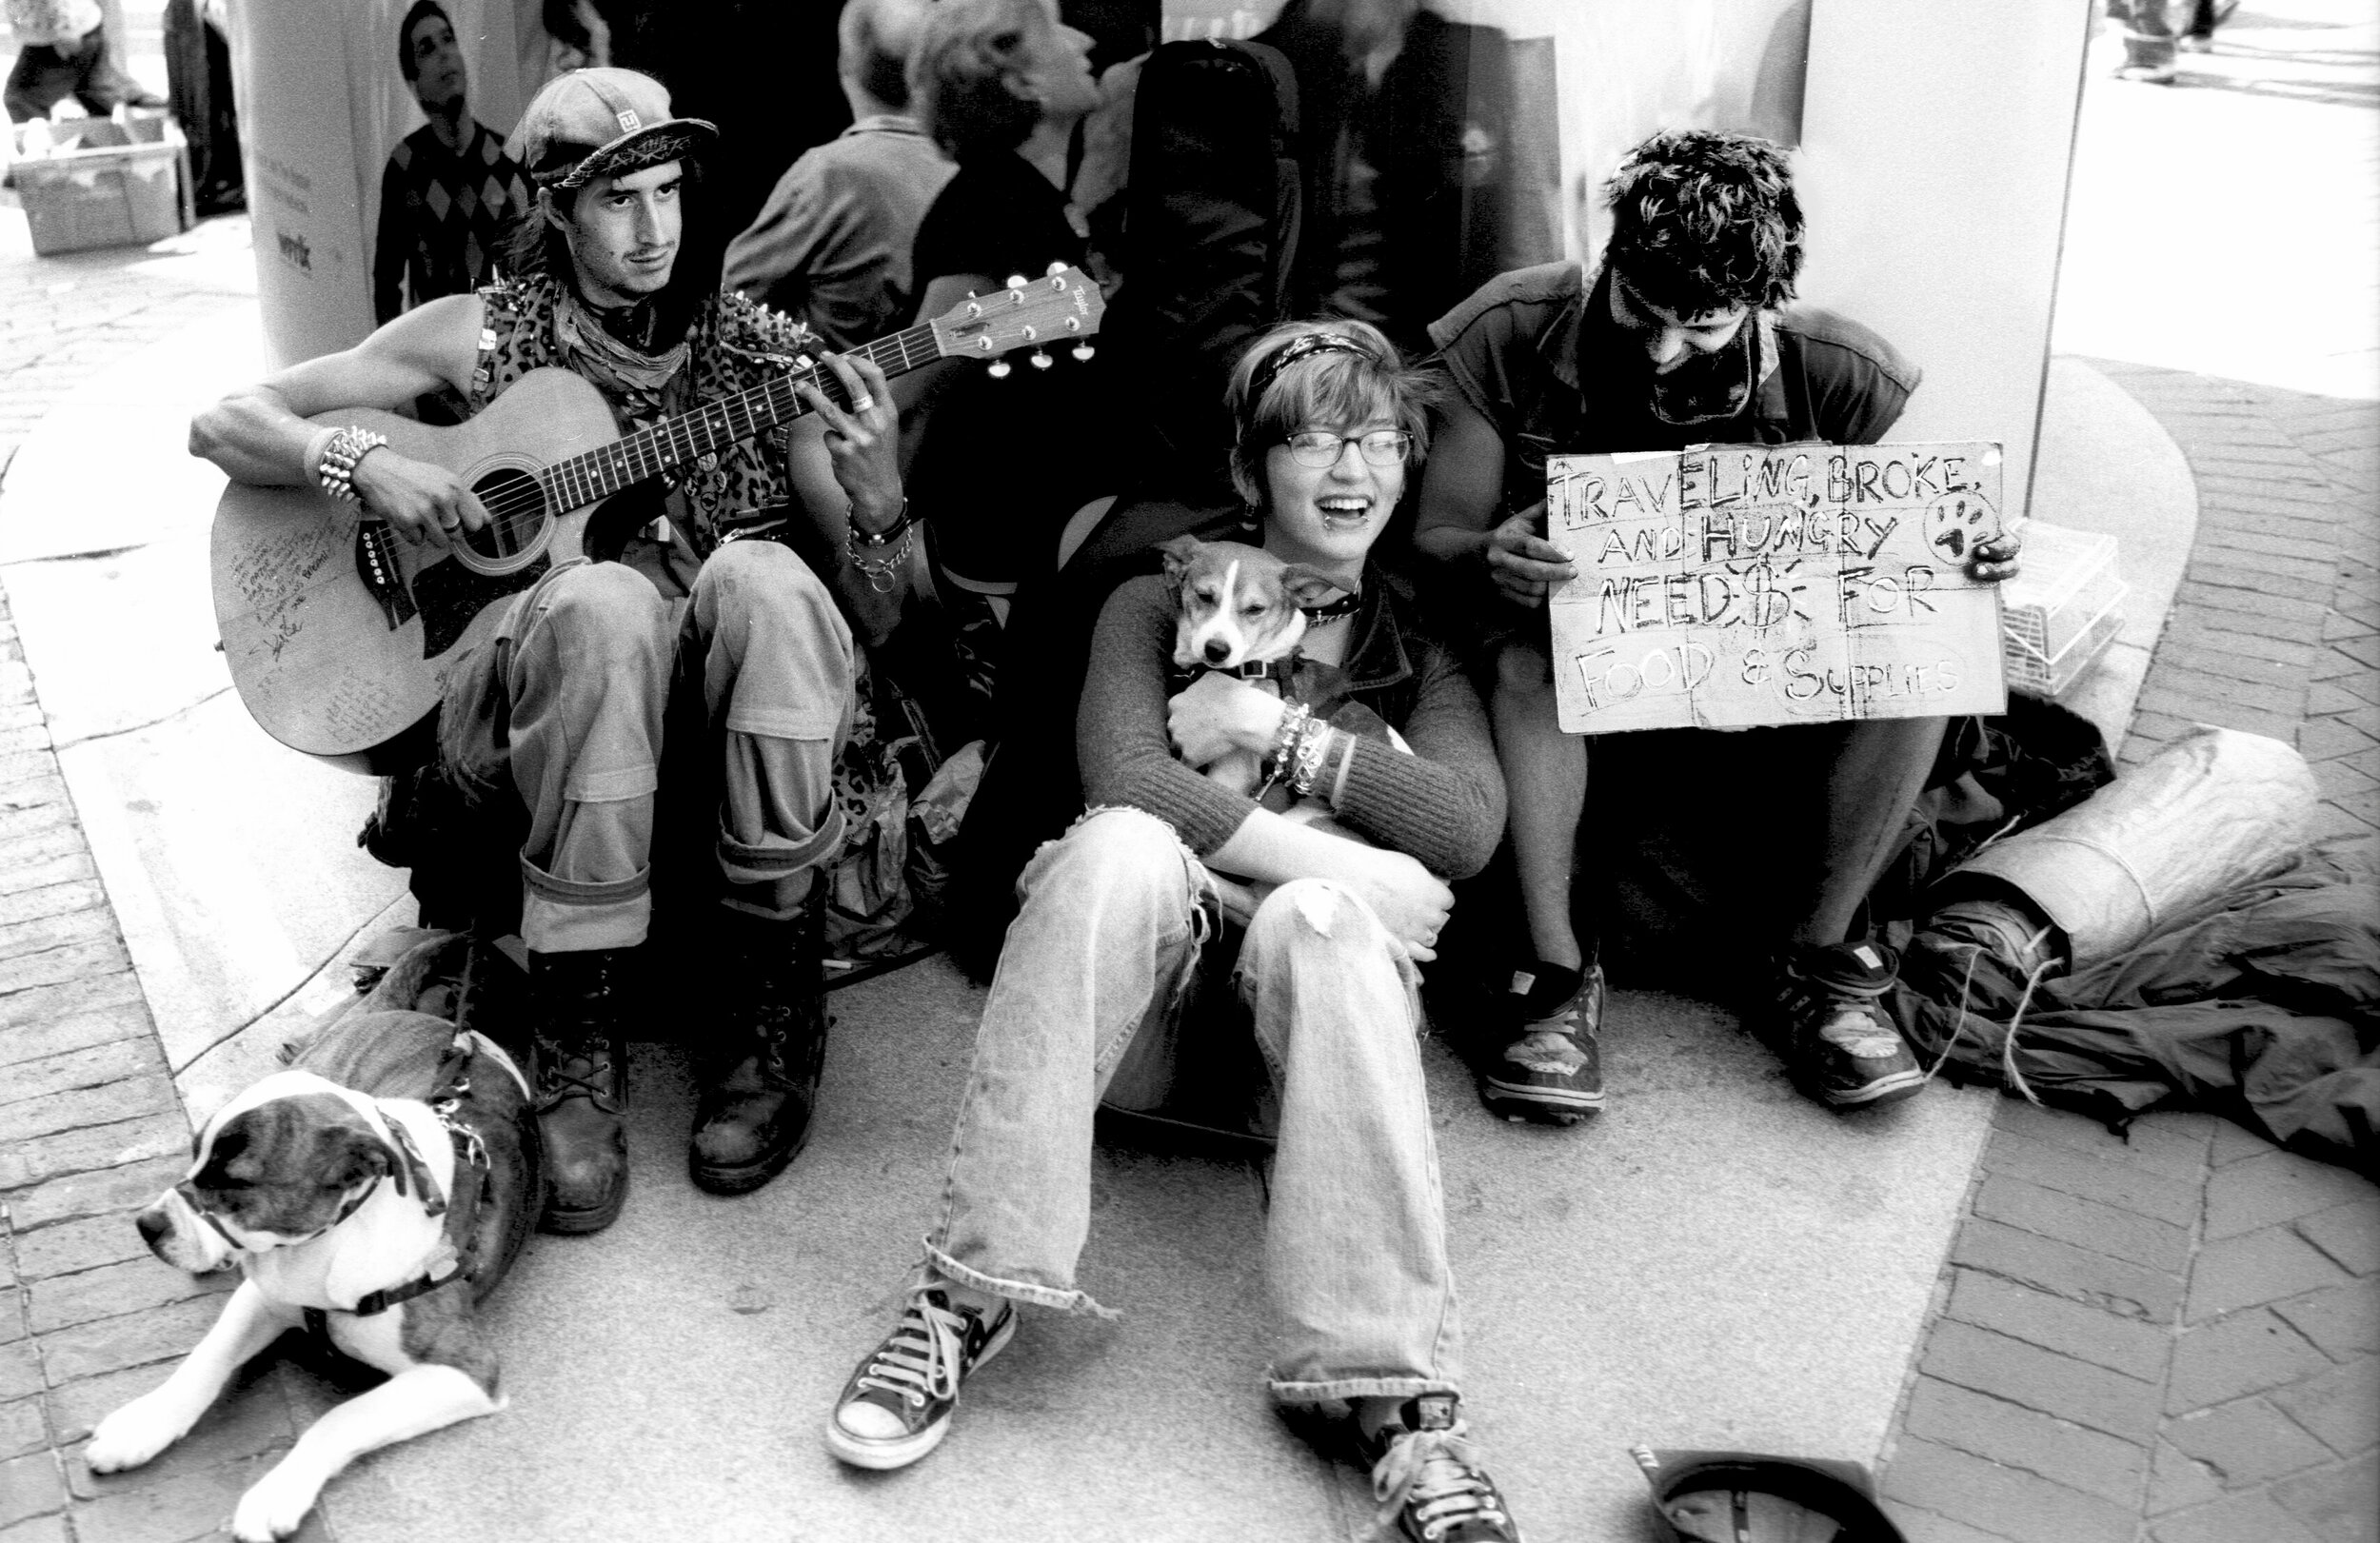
column 340, row 635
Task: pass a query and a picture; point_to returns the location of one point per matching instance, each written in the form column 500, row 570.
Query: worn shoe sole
column 1892, row 1089
column 1562, row 1106
column 743, row 1178
column 861, row 1453
column 553, row 1218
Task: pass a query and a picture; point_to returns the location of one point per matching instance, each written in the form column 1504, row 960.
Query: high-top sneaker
column 760, row 1087
column 582, row 1080
column 1427, row 1476
column 896, row 1406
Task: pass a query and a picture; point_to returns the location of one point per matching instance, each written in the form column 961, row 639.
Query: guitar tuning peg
column 1053, row 271
column 1016, row 281
column 1082, row 351
column 998, row 370
column 1041, row 359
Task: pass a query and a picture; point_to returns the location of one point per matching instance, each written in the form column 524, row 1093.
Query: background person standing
column 832, row 244
column 63, row 55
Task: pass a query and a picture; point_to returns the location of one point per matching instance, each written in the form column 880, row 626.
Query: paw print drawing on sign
column 1956, row 521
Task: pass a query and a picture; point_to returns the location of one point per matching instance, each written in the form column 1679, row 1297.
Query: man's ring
column 863, row 403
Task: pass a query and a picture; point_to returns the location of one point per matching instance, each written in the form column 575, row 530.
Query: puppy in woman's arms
column 1242, row 613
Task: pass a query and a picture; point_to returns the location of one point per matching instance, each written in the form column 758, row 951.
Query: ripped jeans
column 1113, row 920
column 564, row 708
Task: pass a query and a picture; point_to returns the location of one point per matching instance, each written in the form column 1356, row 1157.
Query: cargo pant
column 564, row 707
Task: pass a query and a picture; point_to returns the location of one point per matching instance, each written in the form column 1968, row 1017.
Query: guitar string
column 585, row 478
column 579, row 477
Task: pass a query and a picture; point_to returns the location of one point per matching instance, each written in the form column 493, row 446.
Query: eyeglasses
column 1318, row 448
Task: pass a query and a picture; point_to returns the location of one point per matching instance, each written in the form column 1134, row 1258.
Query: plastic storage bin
column 2062, row 610
column 106, row 184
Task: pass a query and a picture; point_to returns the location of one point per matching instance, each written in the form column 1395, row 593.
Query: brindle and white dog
column 379, row 1222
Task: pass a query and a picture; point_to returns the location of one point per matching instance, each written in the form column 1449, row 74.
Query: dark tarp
column 2265, row 1008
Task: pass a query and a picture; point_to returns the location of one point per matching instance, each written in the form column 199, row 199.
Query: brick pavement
column 2176, row 1339
column 91, row 1126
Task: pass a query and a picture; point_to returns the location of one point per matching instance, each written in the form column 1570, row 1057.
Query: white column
column 1935, row 142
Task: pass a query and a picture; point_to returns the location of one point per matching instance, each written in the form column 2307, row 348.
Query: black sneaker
column 1552, row 1070
column 1429, row 1482
column 1832, row 1030
column 896, row 1406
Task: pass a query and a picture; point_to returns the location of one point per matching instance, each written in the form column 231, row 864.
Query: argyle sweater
column 443, row 218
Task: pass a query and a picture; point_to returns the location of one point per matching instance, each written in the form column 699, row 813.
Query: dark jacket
column 1438, row 130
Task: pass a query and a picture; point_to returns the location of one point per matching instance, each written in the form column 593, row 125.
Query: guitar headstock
column 1062, row 307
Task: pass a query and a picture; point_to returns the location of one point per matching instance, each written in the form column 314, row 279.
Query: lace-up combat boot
column 581, row 1081
column 762, row 1085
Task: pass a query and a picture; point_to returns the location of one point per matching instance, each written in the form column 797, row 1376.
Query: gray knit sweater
column 1443, row 804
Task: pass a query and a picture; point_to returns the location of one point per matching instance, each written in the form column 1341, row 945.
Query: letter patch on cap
column 629, row 122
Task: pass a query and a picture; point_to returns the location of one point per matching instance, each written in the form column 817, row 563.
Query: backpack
column 1211, row 223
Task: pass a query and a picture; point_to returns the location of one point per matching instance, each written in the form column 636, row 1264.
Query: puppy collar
column 1262, row 669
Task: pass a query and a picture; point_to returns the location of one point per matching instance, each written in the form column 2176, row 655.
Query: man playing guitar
column 553, row 726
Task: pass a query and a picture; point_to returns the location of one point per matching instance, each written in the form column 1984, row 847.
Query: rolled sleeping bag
column 2212, row 811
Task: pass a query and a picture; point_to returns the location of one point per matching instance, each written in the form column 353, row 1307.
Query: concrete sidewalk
column 1715, row 1262
column 674, row 1372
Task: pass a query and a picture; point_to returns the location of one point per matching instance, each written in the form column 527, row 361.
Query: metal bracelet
column 339, row 455
column 1294, row 717
column 1314, row 745
column 881, row 573
column 885, row 537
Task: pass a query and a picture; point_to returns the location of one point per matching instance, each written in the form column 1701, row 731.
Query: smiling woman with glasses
column 1308, row 946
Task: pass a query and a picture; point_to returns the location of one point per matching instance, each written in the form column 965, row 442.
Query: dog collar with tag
column 1262, row 669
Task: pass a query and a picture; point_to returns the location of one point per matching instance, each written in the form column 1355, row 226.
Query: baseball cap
column 1761, row 1497
column 600, row 122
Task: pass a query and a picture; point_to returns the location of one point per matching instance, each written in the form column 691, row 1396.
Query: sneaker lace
column 922, row 1358
column 1551, row 1043
column 1847, row 1014
column 1549, row 1050
column 1434, row 1475
column 1852, row 1026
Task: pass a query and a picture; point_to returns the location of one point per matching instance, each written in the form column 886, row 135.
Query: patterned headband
column 1311, row 344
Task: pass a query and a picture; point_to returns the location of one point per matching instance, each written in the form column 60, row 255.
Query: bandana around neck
column 634, row 378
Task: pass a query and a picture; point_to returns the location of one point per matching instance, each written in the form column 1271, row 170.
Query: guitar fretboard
column 598, row 474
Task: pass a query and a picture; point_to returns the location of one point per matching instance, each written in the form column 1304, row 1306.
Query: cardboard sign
column 1734, row 586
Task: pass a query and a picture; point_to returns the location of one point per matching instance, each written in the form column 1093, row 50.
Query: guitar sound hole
column 516, row 512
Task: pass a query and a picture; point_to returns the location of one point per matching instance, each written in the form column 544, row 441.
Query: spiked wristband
column 336, row 460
